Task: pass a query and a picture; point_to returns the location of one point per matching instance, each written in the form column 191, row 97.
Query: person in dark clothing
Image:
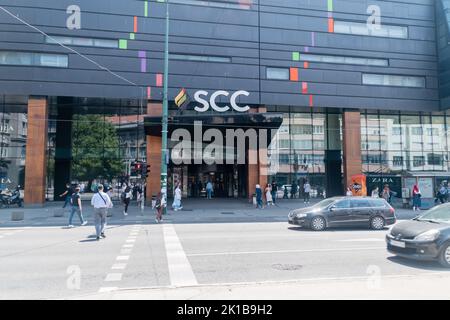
column 67, row 194
column 285, row 193
column 126, row 198
column 294, row 191
column 259, row 200
column 76, row 207
column 274, row 191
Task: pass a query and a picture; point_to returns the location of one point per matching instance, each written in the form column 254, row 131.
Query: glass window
column 393, row 80
column 200, row 58
column 34, row 59
column 244, row 5
column 376, row 203
column 418, row 161
column 435, row 159
column 344, row 60
column 277, row 73
column 362, row 29
column 79, row 41
column 343, row 204
column 397, row 161
column 360, row 203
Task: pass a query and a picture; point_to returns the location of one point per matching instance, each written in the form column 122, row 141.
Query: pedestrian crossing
column 121, row 262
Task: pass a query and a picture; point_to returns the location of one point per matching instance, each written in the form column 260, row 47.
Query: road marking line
column 131, row 240
column 119, row 266
column 107, row 289
column 363, row 240
column 9, row 234
column 283, row 251
column 125, row 251
column 122, row 258
column 111, row 277
column 180, row 269
column 128, row 246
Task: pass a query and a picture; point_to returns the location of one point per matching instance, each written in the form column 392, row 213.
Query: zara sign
column 212, row 101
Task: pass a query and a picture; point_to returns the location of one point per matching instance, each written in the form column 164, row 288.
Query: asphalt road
column 41, row 262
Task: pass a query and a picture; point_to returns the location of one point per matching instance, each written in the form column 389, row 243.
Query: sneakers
column 71, row 226
column 84, row 223
column 156, row 220
column 98, row 238
column 125, row 214
column 103, row 235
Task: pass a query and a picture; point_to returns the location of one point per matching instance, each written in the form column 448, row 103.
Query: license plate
column 398, row 244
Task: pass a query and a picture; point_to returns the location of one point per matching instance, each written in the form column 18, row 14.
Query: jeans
column 274, row 196
column 209, row 192
column 72, row 213
column 100, row 220
column 259, row 202
column 66, row 201
column 307, row 197
column 126, row 202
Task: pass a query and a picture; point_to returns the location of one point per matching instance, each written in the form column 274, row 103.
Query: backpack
column 74, row 199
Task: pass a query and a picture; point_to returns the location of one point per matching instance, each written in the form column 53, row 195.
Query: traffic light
column 145, row 170
column 136, row 168
column 133, row 172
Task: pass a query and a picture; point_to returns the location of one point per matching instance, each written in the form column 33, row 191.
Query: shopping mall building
column 335, row 88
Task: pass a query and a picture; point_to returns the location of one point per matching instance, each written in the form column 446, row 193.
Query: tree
column 95, row 147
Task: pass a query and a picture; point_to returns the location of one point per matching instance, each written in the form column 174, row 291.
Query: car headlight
column 301, row 215
column 430, row 235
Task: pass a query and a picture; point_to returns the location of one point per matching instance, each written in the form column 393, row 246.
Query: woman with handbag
column 416, row 198
column 159, row 206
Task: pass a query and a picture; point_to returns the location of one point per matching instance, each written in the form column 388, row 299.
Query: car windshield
column 323, row 204
column 439, row 214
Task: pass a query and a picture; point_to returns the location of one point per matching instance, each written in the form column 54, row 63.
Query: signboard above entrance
column 198, row 96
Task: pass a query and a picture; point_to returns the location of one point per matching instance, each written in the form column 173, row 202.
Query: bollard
column 17, row 216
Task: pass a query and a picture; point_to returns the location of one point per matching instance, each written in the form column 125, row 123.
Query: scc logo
column 212, row 101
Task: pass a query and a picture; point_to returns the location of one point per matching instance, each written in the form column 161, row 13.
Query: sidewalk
column 194, row 211
column 428, row 286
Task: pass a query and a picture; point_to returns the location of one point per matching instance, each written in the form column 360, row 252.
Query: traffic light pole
column 165, row 115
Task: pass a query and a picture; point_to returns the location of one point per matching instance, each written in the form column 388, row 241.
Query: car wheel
column 318, row 224
column 444, row 257
column 377, row 223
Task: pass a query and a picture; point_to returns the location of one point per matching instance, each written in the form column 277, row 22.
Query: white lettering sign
column 201, row 97
column 74, row 20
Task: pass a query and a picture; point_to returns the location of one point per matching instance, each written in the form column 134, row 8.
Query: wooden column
column 154, row 152
column 262, row 156
column 257, row 172
column 352, row 145
column 36, row 151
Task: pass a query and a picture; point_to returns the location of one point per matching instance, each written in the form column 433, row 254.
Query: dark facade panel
column 266, row 35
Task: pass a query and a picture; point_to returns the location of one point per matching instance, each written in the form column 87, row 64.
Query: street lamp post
column 165, row 111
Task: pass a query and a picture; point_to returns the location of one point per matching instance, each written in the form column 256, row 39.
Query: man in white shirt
column 101, row 203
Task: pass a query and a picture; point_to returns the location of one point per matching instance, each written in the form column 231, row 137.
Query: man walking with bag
column 101, row 203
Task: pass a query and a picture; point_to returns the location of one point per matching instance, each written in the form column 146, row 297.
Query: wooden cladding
column 36, row 151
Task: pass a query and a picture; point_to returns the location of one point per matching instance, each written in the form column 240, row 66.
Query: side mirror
column 332, row 208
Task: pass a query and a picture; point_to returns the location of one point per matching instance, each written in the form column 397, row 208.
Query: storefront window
column 13, row 117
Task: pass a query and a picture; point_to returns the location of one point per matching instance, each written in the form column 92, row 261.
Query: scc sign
column 212, row 101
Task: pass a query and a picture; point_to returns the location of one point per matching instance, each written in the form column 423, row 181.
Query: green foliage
column 95, row 147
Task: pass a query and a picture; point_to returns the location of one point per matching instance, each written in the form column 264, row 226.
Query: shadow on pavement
column 424, row 265
column 338, row 229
